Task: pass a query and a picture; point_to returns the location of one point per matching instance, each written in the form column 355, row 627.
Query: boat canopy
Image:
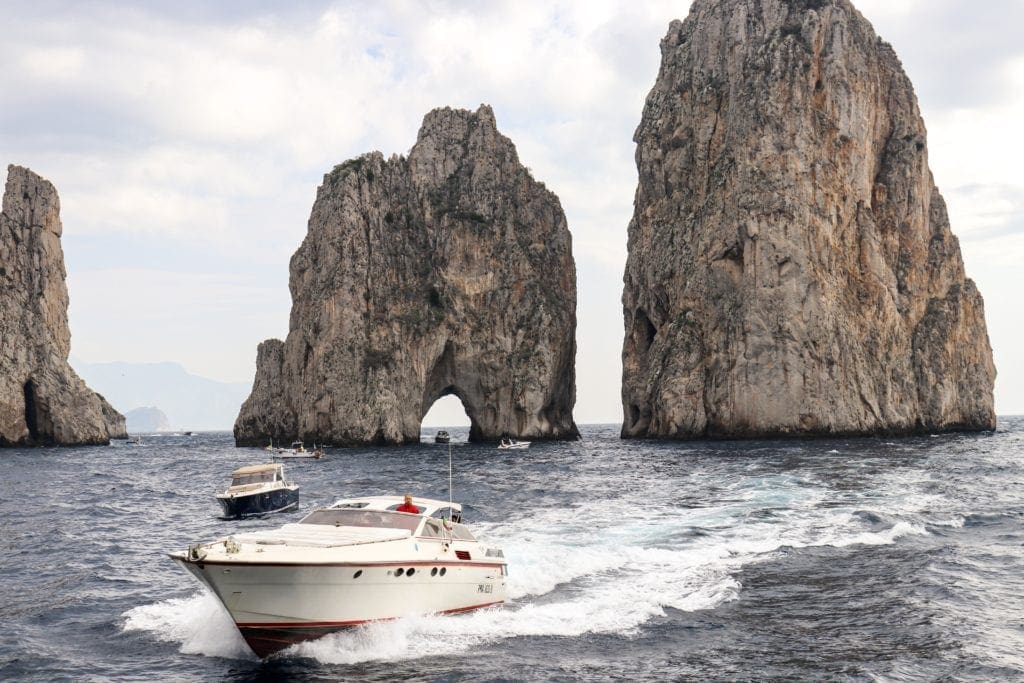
column 254, row 469
column 256, row 474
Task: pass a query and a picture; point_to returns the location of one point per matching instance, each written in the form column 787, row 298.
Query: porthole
column 412, row 570
column 443, row 570
column 399, row 571
column 357, row 574
column 433, row 572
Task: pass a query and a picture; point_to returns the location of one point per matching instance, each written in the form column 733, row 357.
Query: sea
column 867, row 559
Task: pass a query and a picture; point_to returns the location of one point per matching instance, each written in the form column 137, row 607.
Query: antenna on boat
column 451, row 513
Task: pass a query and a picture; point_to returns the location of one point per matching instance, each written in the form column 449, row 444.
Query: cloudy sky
column 187, row 139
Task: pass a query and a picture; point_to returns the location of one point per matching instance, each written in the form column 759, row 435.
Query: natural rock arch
column 449, row 271
column 470, row 411
column 441, row 382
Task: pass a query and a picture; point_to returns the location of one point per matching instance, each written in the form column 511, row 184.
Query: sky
column 187, row 139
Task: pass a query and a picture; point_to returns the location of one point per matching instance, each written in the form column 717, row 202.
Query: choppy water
column 857, row 559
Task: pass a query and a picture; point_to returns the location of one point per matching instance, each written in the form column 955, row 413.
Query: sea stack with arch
column 449, row 271
column 42, row 401
column 791, row 267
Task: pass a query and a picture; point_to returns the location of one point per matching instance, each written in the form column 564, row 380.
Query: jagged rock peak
column 42, row 400
column 449, row 271
column 791, row 266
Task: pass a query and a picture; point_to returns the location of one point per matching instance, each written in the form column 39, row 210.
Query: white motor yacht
column 359, row 560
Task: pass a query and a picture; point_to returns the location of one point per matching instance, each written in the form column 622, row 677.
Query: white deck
column 321, row 536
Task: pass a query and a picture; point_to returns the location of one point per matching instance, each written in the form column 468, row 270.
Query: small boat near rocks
column 258, row 490
column 300, row 453
column 507, row 444
column 442, row 437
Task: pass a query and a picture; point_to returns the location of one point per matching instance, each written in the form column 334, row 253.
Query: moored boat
column 442, row 437
column 300, row 453
column 257, row 490
column 358, row 561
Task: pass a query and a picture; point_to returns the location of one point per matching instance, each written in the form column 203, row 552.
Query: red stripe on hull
column 354, row 565
column 267, row 638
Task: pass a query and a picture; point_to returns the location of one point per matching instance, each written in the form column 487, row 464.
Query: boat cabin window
column 340, row 506
column 376, row 519
column 432, row 528
column 462, row 533
column 254, row 478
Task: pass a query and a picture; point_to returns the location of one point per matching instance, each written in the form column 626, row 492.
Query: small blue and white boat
column 258, row 490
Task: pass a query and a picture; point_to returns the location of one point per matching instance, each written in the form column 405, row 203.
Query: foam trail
column 607, row 609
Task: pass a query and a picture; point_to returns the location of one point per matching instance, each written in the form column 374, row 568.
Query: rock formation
column 42, row 400
column 447, row 272
column 791, row 267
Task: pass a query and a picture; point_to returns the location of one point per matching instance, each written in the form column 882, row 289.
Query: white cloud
column 52, row 64
column 877, row 10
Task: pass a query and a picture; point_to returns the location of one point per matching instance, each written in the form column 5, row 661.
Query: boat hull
column 259, row 502
column 278, row 605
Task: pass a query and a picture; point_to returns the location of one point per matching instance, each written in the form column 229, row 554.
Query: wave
column 198, row 623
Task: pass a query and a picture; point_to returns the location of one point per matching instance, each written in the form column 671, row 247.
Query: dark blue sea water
column 854, row 559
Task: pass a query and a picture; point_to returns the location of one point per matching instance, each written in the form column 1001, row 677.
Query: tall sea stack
column 446, row 272
column 42, row 400
column 791, row 266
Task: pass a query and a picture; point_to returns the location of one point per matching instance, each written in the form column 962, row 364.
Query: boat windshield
column 377, row 519
column 254, row 478
column 451, row 514
column 436, row 528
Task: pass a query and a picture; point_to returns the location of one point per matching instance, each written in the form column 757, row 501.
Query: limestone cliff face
column 447, row 272
column 42, row 400
column 791, row 267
